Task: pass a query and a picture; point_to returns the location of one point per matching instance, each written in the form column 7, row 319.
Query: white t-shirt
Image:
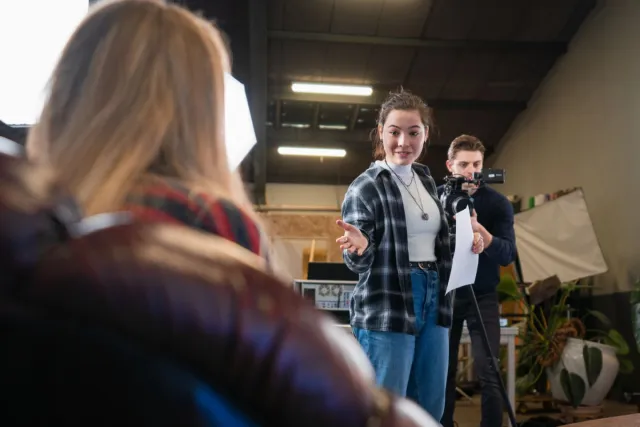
column 421, row 234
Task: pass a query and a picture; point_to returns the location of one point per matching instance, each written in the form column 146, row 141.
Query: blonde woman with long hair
column 134, row 120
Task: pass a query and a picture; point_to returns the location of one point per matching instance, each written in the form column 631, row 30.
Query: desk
column 507, row 337
column 632, row 420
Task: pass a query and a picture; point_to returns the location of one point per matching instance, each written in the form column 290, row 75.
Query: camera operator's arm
column 501, row 244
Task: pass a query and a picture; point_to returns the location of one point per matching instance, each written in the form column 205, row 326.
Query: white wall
column 326, row 196
column 582, row 128
column 285, row 198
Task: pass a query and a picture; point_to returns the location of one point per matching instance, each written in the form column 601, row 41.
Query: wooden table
column 632, row 420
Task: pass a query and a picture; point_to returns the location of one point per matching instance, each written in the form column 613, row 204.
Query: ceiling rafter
column 284, row 93
column 475, row 45
column 258, row 80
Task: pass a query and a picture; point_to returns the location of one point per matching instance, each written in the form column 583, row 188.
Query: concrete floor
column 468, row 413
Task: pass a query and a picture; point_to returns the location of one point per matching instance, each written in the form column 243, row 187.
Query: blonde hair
column 138, row 92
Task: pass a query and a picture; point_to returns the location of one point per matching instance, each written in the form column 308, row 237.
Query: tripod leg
column 492, row 360
column 465, row 395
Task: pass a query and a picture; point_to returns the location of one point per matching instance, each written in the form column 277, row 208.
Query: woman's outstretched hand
column 352, row 240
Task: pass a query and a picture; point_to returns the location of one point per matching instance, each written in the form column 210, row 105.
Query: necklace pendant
column 425, row 216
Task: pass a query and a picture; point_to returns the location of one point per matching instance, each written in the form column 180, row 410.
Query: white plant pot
column 573, row 360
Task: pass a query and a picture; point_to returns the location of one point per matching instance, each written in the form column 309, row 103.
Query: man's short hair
column 465, row 143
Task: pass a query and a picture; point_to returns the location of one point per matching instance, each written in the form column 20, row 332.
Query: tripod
column 454, row 200
column 493, row 362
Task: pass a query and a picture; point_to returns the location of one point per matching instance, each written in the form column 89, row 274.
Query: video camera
column 455, row 197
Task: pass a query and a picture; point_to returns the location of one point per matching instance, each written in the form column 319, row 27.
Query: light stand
column 493, row 361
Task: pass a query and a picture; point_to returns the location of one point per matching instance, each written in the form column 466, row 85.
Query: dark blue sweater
column 495, row 213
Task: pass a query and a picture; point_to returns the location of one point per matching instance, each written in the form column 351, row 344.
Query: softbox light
column 558, row 238
column 240, row 137
column 9, row 147
column 33, row 33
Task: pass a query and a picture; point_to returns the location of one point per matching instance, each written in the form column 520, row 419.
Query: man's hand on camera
column 469, row 188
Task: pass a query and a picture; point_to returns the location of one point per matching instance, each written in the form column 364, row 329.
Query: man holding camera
column 495, row 224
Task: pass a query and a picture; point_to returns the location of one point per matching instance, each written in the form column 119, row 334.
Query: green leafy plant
column 635, row 312
column 544, row 337
column 573, row 386
column 508, row 289
column 611, row 337
column 593, row 363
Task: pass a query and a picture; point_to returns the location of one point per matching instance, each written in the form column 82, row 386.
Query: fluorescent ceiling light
column 333, row 127
column 316, row 152
column 329, row 89
column 296, row 125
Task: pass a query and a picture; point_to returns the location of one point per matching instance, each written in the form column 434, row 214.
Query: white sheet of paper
column 240, row 136
column 465, row 262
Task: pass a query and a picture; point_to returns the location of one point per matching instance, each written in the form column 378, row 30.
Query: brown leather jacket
column 159, row 324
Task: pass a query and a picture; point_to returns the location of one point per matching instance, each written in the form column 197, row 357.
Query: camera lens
column 459, row 204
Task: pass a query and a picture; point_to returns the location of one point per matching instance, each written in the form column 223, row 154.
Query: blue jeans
column 413, row 366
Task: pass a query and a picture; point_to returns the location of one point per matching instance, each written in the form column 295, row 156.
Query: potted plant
column 581, row 365
column 635, row 312
column 635, row 324
column 588, row 367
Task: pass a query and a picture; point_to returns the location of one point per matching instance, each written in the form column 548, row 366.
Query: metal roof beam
column 284, row 93
column 492, row 45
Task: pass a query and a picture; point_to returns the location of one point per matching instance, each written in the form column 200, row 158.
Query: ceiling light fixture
column 296, row 125
column 333, row 127
column 332, row 89
column 315, row 152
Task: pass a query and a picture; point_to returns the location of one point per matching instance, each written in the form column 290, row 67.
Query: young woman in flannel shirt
column 397, row 239
column 134, row 120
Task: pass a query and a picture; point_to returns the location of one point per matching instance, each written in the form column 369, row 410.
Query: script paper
column 465, row 262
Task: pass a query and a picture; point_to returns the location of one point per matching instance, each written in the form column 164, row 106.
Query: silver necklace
column 424, row 216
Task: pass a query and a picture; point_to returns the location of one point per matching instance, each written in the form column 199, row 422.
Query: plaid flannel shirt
column 167, row 200
column 383, row 298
